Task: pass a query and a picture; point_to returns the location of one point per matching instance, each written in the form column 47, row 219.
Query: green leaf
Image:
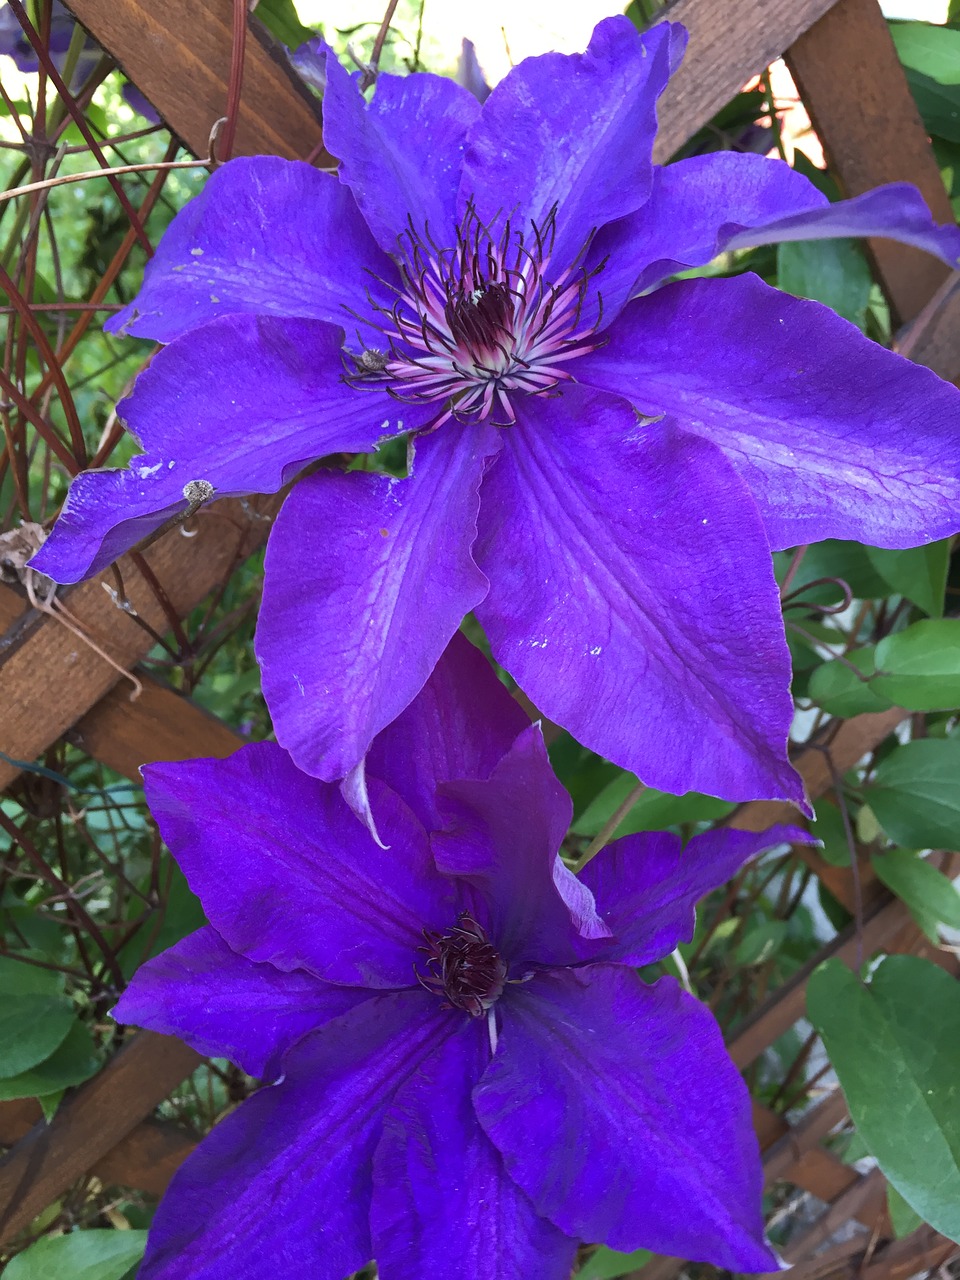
column 281, row 20
column 74, row 1062
column 833, row 272
column 653, row 811
column 830, row 830
column 606, row 1263
column 903, row 1218
column 932, row 897
column 760, row 941
column 32, row 1027
column 893, row 1046
column 919, row 668
column 20, row 978
column 931, row 59
column 919, row 573
column 841, row 691
column 98, row 1254
column 916, row 797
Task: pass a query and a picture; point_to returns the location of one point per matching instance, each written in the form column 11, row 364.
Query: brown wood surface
column 730, row 41
column 49, row 678
column 178, row 53
column 89, row 1125
column 932, row 338
column 160, row 725
column 851, row 81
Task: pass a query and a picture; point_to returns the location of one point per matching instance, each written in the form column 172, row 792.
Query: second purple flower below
column 468, row 1066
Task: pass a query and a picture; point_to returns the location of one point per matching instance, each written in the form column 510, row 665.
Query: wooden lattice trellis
column 180, row 54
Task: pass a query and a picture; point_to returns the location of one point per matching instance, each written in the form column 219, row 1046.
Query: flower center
column 477, row 324
column 464, row 967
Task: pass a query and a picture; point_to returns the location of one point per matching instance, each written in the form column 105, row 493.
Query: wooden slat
column 49, row 678
column 931, row 338
column 89, row 1125
column 851, row 81
column 160, row 725
column 730, row 41
column 178, row 54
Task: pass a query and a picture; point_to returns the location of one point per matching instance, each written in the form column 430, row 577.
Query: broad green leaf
column 931, row 58
column 916, row 794
column 833, row 272
column 21, row 978
column 31, row 1028
column 281, row 20
column 903, row 1218
column 893, row 1045
column 761, row 939
column 73, row 1062
column 839, row 690
column 919, row 573
column 932, row 897
column 606, row 1264
column 97, row 1254
column 830, row 830
column 919, row 668
column 653, row 811
column 834, row 559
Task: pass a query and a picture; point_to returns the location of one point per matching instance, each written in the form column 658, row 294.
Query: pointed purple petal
column 617, row 1110
column 282, row 1187
column 460, row 725
column 647, row 886
column 267, row 237
column 836, row 437
column 289, row 877
column 243, row 404
column 440, row 1190
column 613, row 547
column 222, row 1004
column 401, row 153
column 573, row 131
column 502, row 836
column 705, row 205
column 367, row 578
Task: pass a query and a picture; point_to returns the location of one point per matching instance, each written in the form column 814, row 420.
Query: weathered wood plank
column 49, row 678
column 853, row 86
column 89, row 1125
column 178, row 54
column 730, row 41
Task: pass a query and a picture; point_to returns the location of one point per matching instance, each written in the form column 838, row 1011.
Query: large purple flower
column 600, row 475
column 470, row 1071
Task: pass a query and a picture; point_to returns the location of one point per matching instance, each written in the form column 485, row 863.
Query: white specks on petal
column 538, row 644
column 146, row 472
column 385, row 425
column 171, row 465
column 196, row 253
column 704, row 520
column 303, row 692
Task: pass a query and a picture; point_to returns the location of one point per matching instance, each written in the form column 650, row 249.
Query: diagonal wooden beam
column 178, row 54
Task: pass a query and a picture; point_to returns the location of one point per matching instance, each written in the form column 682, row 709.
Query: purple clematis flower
column 468, row 1065
column 599, row 463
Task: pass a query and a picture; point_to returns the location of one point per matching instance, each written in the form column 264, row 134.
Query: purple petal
column 502, row 836
column 289, row 877
column 367, row 578
column 225, row 1005
column 282, row 1187
column 573, row 131
column 613, row 547
column 836, row 437
column 243, row 404
column 646, row 886
column 705, row 205
column 265, row 236
column 401, row 154
column 440, row 1190
column 617, row 1110
column 460, row 725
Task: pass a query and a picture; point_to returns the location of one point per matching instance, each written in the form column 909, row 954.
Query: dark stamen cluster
column 464, row 967
column 477, row 323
